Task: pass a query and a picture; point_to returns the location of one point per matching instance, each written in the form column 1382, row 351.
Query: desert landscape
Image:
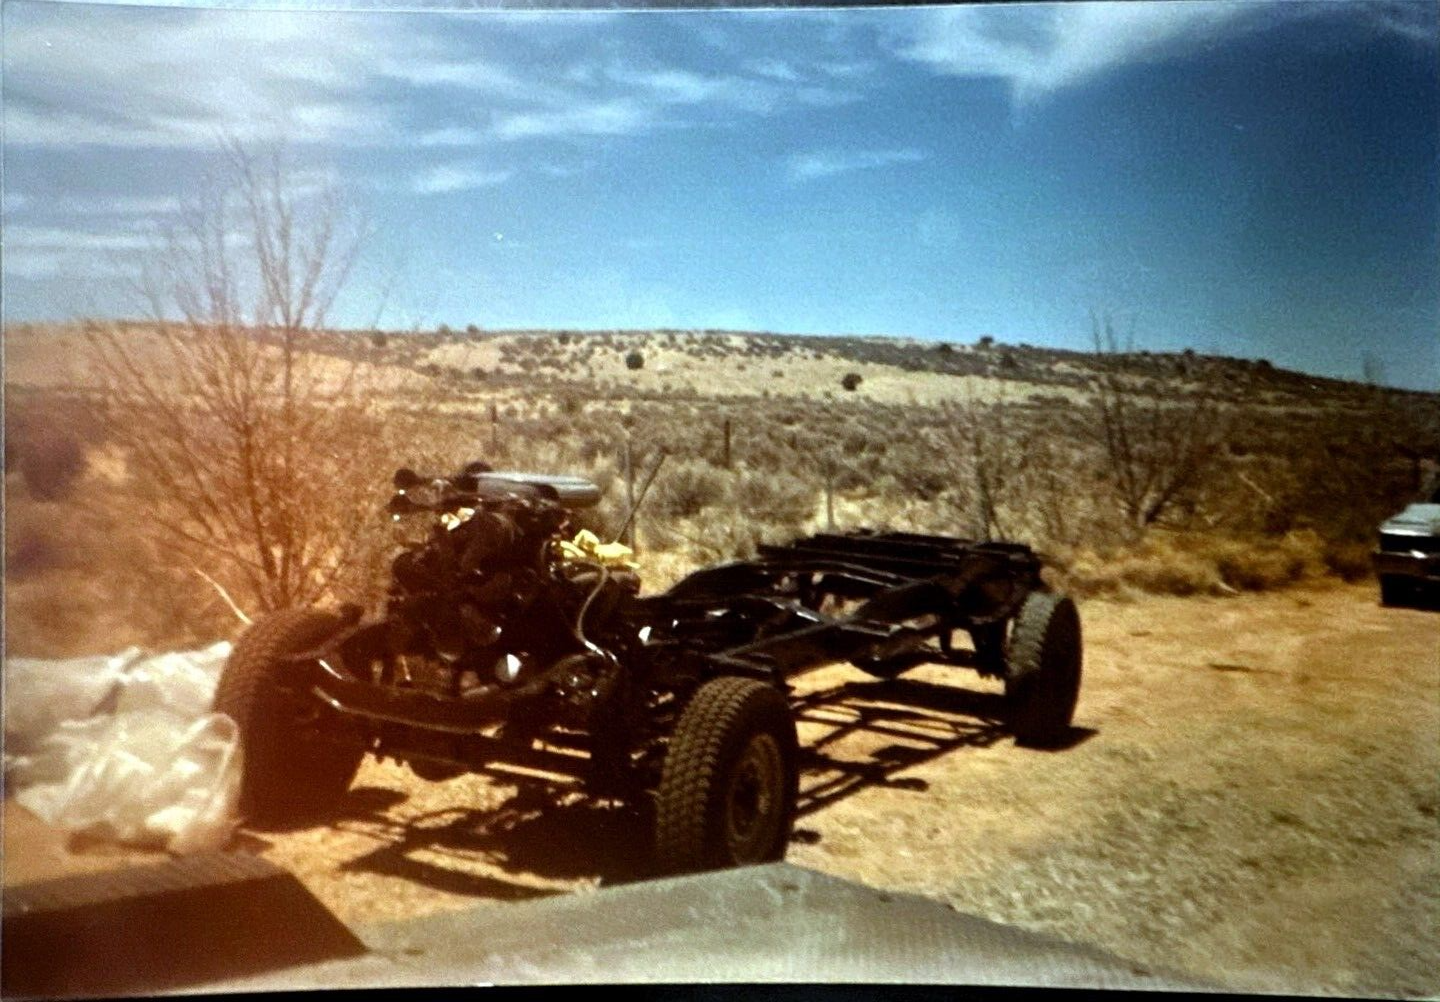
column 376, row 383
column 1251, row 793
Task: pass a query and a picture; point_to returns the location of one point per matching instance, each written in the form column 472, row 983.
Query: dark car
column 1407, row 561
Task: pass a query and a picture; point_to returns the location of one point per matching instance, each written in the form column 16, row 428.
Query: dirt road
column 1252, row 797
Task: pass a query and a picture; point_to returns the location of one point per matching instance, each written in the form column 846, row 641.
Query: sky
column 1251, row 179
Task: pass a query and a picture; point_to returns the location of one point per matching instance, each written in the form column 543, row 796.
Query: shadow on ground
column 559, row 836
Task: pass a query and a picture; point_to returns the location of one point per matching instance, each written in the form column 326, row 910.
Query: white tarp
column 125, row 747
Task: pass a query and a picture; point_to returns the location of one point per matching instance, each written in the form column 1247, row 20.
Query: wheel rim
column 753, row 805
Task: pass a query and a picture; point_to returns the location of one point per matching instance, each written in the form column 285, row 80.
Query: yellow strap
column 587, row 546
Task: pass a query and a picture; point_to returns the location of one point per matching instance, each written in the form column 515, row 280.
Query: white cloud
column 452, row 135
column 1416, row 21
column 456, row 177
column 824, row 163
column 92, row 205
column 463, row 74
column 1044, row 48
column 133, row 77
column 118, row 205
column 770, row 87
column 41, row 252
column 618, row 117
column 60, row 238
column 775, row 69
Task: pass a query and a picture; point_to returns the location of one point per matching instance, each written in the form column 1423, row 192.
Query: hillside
column 893, row 370
column 730, row 364
column 1262, row 476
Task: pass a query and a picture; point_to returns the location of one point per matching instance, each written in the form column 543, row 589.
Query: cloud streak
column 447, row 178
column 826, row 163
column 39, row 252
column 135, row 78
column 1043, row 49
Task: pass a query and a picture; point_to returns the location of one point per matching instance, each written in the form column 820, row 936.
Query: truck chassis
column 676, row 700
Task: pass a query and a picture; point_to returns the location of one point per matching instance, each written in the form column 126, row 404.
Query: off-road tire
column 1042, row 669
column 287, row 776
column 735, row 743
column 1395, row 591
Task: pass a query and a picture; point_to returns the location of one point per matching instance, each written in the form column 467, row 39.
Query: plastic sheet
column 125, row 747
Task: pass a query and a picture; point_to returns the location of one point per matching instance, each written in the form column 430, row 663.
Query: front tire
column 1042, row 669
column 729, row 783
column 287, row 774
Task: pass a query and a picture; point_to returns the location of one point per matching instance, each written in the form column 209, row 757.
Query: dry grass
column 1295, row 498
column 1191, row 563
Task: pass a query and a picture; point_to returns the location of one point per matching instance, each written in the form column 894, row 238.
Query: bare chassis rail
column 771, row 618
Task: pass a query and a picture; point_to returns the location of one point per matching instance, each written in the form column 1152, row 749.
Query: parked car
column 1407, row 561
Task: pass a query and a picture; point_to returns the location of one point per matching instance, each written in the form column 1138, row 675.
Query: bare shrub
column 685, row 488
column 775, row 497
column 1339, row 472
column 1158, row 450
column 993, row 457
column 1347, row 560
column 252, row 457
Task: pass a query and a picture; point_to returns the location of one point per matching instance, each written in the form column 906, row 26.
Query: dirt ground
column 1251, row 796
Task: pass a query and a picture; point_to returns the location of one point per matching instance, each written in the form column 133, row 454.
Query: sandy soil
column 1251, row 796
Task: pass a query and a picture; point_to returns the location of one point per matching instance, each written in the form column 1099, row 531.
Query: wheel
column 729, row 781
column 286, row 774
column 1394, row 591
column 1042, row 669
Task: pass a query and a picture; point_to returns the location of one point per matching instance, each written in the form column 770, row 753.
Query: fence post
column 725, row 454
column 494, row 429
column 630, row 494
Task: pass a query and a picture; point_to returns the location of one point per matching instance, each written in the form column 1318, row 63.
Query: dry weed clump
column 1348, row 560
column 1195, row 563
column 684, row 488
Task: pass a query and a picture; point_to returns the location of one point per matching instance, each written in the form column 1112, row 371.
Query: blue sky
column 1255, row 179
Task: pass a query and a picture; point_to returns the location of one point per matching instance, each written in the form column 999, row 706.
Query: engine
column 499, row 594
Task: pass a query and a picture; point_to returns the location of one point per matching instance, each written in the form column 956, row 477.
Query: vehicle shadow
column 923, row 721
column 548, row 834
column 532, row 834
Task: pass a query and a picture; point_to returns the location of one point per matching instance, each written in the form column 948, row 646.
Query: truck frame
column 676, row 701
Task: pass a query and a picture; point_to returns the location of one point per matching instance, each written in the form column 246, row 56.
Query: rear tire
column 1042, row 670
column 287, row 775
column 729, row 783
column 1395, row 591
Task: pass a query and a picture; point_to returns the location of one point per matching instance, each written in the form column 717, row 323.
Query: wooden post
column 725, row 454
column 830, row 497
column 630, row 494
column 494, row 429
